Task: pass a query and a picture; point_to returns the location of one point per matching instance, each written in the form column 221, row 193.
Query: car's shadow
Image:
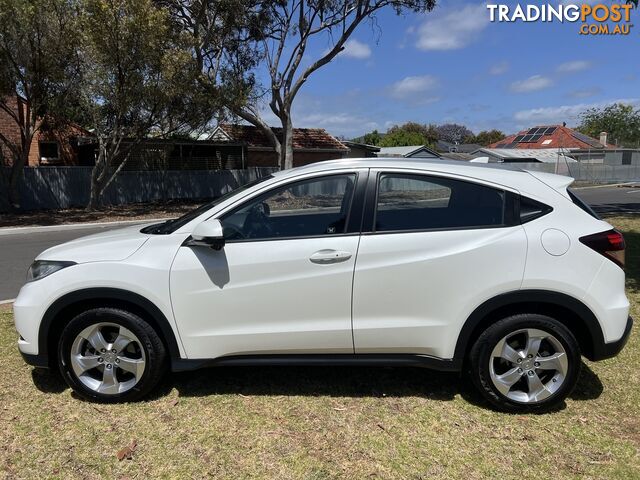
column 324, row 381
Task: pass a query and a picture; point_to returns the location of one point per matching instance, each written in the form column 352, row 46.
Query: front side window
column 420, row 202
column 315, row 207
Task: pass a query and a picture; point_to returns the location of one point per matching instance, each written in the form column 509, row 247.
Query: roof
column 405, row 151
column 443, row 146
column 544, row 155
column 548, row 136
column 254, row 138
column 363, row 146
column 465, row 157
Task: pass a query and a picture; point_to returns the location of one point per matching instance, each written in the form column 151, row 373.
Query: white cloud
column 499, row 68
column 452, row 30
column 413, row 86
column 531, row 84
column 355, row 49
column 563, row 113
column 574, row 66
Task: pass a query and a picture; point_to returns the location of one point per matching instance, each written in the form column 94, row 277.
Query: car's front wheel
column 110, row 355
column 525, row 362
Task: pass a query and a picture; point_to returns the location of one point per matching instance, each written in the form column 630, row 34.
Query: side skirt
column 363, row 360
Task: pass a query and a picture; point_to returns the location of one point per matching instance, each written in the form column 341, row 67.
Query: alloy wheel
column 528, row 365
column 108, row 358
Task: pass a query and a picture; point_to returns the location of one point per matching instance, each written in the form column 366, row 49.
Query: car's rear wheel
column 110, row 355
column 525, row 362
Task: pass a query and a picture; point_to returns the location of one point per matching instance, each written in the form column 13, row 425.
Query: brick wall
column 64, row 137
column 9, row 129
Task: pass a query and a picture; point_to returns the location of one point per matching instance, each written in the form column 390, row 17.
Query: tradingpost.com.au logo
column 598, row 19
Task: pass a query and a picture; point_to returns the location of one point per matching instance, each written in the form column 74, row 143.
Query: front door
column 282, row 283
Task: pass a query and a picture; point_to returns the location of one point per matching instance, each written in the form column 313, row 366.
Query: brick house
column 552, row 136
column 310, row 145
column 50, row 145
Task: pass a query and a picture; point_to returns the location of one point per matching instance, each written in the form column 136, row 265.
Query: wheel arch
column 571, row 312
column 71, row 304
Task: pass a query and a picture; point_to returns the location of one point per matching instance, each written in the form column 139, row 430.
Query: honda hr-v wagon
column 501, row 274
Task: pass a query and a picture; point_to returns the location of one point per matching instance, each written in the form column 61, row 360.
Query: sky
column 454, row 65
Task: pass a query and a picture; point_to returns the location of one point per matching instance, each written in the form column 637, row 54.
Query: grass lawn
column 320, row 423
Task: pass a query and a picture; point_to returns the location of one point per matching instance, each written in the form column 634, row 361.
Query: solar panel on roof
column 518, row 138
column 532, row 131
column 586, row 139
column 550, row 130
column 535, row 138
column 526, row 139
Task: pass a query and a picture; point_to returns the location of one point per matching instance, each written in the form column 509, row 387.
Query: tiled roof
column 303, row 138
column 559, row 136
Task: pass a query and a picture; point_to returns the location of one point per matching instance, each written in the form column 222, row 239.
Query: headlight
column 43, row 268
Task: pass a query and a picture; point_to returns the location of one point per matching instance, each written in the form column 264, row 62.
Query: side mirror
column 207, row 234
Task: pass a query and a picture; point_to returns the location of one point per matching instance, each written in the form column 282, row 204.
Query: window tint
column 532, row 209
column 420, row 202
column 309, row 208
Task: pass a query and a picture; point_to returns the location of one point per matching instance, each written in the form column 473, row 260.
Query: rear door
column 436, row 247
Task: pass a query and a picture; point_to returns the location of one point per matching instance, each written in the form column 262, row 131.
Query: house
column 51, row 145
column 412, row 151
column 551, row 136
column 360, row 150
column 528, row 155
column 309, row 144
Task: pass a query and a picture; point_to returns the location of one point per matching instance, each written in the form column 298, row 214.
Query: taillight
column 609, row 243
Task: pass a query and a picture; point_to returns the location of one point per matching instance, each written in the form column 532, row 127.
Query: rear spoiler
column 557, row 182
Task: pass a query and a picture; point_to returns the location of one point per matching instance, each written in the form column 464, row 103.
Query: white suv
column 501, row 274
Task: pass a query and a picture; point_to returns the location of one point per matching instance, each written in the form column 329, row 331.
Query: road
column 611, row 200
column 17, row 250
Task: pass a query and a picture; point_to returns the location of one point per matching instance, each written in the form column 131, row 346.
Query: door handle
column 325, row 257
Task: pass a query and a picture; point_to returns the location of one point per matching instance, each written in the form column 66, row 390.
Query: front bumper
column 608, row 350
column 38, row 361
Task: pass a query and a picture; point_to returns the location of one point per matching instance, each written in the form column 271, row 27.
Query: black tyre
column 111, row 355
column 525, row 362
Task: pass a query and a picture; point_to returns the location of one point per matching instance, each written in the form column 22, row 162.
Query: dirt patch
column 135, row 211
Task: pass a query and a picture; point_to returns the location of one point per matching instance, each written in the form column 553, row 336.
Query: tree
column 37, row 68
column 371, row 138
column 486, row 137
column 138, row 80
column 620, row 121
column 283, row 50
column 410, row 133
column 453, row 133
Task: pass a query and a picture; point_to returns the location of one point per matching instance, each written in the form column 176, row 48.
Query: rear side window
column 532, row 209
column 421, row 202
column 580, row 203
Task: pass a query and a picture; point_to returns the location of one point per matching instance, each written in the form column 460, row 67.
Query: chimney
column 603, row 138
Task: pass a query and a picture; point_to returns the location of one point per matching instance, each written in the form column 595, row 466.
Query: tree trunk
column 95, row 193
column 97, row 174
column 16, row 176
column 286, row 148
